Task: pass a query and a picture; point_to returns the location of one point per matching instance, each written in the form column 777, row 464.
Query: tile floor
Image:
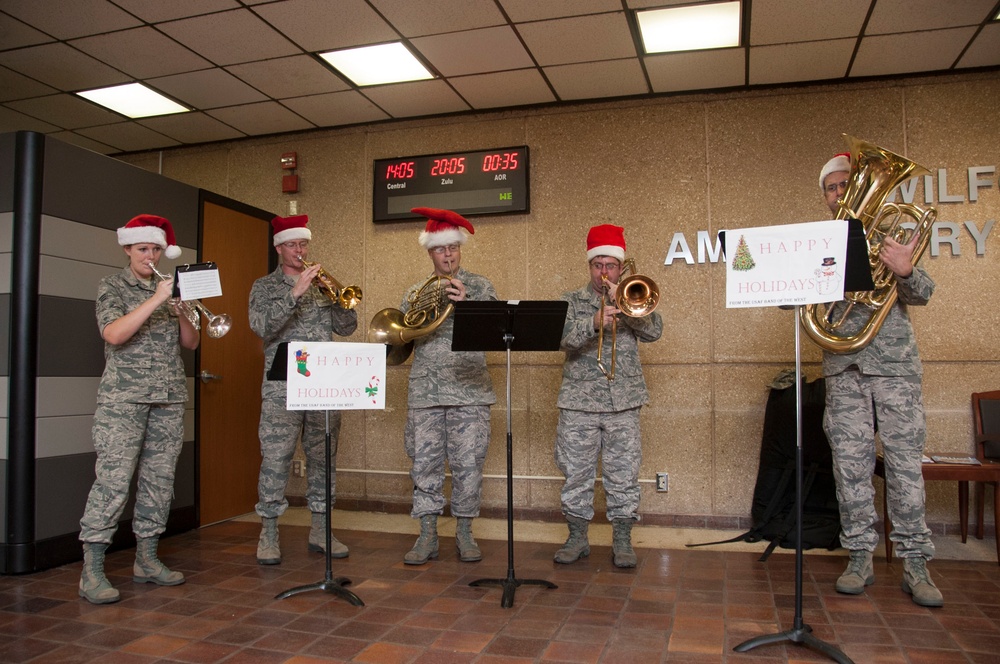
column 678, row 605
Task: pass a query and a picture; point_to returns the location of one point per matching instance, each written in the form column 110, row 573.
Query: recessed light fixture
column 690, row 28
column 133, row 100
column 378, row 65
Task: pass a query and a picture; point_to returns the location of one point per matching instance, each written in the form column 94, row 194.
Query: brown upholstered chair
column 986, row 419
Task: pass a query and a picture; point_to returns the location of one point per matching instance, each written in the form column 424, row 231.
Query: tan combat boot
column 859, row 573
column 426, row 546
column 576, row 545
column 621, row 543
column 148, row 568
column 94, row 586
column 317, row 538
column 268, row 549
column 917, row 583
column 468, row 550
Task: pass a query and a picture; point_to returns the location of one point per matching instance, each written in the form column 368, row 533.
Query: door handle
column 205, row 376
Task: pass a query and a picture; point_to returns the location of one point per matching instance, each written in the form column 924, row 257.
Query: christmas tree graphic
column 743, row 261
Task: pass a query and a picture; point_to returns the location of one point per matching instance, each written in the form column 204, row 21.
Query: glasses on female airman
column 448, row 248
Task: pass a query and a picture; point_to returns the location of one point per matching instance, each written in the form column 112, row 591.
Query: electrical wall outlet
column 662, row 482
column 298, row 469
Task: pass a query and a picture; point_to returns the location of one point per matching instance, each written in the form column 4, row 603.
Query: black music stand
column 857, row 277
column 330, row 583
column 516, row 325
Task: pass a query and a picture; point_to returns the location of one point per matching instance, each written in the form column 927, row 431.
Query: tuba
column 346, row 297
column 875, row 173
column 429, row 308
column 637, row 296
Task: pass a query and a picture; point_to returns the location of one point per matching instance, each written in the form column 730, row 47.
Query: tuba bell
column 875, row 173
column 429, row 308
column 637, row 296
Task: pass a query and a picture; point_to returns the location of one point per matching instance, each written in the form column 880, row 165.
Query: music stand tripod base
column 509, row 585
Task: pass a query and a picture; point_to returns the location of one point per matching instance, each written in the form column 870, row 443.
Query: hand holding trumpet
column 305, row 280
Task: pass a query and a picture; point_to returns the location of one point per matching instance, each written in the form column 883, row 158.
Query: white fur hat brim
column 441, row 238
column 147, row 235
column 835, row 165
column 606, row 250
column 302, row 233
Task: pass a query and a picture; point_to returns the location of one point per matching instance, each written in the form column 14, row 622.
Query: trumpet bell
column 638, row 296
column 219, row 325
column 349, row 297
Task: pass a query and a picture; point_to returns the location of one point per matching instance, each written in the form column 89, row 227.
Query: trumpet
column 637, row 296
column 347, row 297
column 218, row 325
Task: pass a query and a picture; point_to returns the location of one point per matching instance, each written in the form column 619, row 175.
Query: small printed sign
column 335, row 376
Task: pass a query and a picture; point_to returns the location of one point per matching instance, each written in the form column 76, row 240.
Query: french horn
column 429, row 308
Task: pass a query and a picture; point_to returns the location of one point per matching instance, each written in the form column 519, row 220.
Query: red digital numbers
column 448, row 166
column 401, row 171
column 506, row 161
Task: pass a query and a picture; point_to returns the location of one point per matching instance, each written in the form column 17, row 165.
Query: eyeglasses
column 296, row 245
column 448, row 248
column 836, row 187
column 609, row 266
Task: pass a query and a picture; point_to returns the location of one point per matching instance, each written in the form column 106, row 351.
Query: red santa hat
column 606, row 240
column 443, row 227
column 148, row 228
column 290, row 228
column 840, row 162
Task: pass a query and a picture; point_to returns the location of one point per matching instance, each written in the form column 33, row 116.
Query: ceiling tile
column 696, row 70
column 297, row 76
column 521, row 11
column 611, row 78
column 338, row 108
column 230, row 37
column 321, row 25
column 141, row 53
column 784, row 21
column 985, row 50
column 417, row 98
column 66, row 20
column 210, row 88
column 507, row 88
column 15, row 34
column 154, row 11
column 579, row 39
column 910, row 52
column 66, row 110
column 83, row 142
column 128, row 137
column 265, row 118
column 474, row 51
column 810, row 61
column 911, row 15
column 16, row 86
column 414, row 19
column 11, row 120
column 191, row 128
column 61, row 67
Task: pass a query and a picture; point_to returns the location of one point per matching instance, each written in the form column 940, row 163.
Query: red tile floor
column 676, row 606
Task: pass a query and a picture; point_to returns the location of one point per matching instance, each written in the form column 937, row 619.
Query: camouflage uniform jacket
column 893, row 351
column 148, row 367
column 443, row 377
column 276, row 316
column 584, row 386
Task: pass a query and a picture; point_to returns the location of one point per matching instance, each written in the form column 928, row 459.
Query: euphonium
column 875, row 173
column 429, row 308
column 637, row 296
column 218, row 325
column 347, row 297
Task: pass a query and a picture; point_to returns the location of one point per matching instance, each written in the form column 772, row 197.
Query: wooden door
column 229, row 406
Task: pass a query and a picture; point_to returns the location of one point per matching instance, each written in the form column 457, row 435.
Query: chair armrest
column 988, row 447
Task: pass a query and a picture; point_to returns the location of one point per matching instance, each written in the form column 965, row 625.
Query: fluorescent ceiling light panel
column 133, row 100
column 377, row 65
column 690, row 28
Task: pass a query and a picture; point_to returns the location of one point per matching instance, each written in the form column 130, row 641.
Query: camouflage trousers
column 279, row 431
column 581, row 438
column 853, row 403
column 127, row 436
column 462, row 435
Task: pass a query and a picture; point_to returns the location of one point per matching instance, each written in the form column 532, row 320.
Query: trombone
column 218, row 325
column 347, row 297
column 637, row 296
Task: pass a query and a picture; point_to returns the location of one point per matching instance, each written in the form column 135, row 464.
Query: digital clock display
column 481, row 182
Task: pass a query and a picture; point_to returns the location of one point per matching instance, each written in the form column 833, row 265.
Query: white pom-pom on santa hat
column 290, row 228
column 606, row 240
column 443, row 227
column 840, row 162
column 148, row 228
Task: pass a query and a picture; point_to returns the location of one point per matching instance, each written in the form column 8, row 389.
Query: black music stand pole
column 536, row 325
column 330, row 583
